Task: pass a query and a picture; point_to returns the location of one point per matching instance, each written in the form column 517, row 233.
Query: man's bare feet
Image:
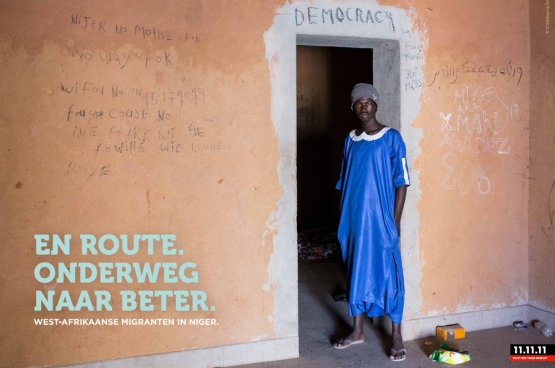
column 398, row 351
column 351, row 339
column 355, row 337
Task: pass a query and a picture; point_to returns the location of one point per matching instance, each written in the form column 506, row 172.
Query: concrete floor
column 322, row 320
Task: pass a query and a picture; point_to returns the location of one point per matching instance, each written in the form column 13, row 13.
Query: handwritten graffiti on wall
column 123, row 118
column 128, row 124
column 151, row 33
column 314, row 15
column 412, row 54
column 452, row 73
column 305, row 94
column 474, row 128
column 412, row 76
column 549, row 231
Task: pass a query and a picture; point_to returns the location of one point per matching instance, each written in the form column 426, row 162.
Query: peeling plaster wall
column 474, row 182
column 219, row 170
column 191, row 117
column 464, row 116
column 542, row 177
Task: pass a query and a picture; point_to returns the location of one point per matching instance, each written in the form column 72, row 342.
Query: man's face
column 365, row 109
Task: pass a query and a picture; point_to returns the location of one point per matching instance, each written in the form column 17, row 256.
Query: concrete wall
column 214, row 164
column 185, row 145
column 475, row 122
column 542, row 178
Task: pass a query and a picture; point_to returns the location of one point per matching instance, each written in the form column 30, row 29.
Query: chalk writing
column 83, row 113
column 84, row 132
column 305, row 94
column 113, row 113
column 550, row 233
column 123, row 139
column 134, row 139
column 313, row 15
column 85, row 22
column 192, row 38
column 452, row 73
column 195, row 96
column 479, row 111
column 120, row 28
column 89, row 171
column 413, row 56
column 195, row 130
column 166, row 133
column 163, row 115
column 474, row 126
column 133, row 132
column 152, row 33
column 196, row 148
column 413, row 79
column 170, row 147
column 466, row 177
column 122, row 59
column 113, row 134
column 129, row 146
column 171, row 97
column 115, row 57
column 130, row 119
column 86, row 88
column 476, row 144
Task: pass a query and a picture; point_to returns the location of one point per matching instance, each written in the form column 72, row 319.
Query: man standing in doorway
column 373, row 184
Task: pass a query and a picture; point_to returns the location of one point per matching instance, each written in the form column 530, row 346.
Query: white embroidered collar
column 368, row 137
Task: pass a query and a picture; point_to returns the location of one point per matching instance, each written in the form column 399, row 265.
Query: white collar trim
column 367, row 137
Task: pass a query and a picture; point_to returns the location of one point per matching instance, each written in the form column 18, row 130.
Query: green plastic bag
column 447, row 354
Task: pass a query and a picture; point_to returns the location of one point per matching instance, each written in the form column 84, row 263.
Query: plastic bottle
column 540, row 326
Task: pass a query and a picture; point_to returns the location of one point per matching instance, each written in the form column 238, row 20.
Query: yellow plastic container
column 450, row 332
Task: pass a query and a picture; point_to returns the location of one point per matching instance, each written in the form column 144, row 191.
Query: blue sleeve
column 399, row 162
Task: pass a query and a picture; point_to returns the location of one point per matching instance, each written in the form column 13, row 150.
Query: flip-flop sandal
column 347, row 342
column 395, row 352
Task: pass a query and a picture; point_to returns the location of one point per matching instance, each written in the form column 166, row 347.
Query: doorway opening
column 325, row 78
column 327, row 70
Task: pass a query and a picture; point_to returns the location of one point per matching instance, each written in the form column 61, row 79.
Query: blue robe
column 373, row 166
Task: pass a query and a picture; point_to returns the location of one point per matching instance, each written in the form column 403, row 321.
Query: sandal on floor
column 394, row 352
column 346, row 342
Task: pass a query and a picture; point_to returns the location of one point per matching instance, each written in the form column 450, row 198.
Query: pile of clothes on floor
column 319, row 243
